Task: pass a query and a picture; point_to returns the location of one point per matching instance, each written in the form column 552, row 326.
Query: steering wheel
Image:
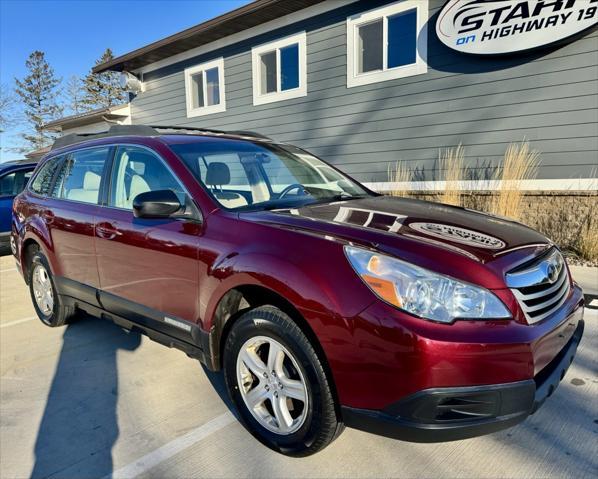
column 288, row 189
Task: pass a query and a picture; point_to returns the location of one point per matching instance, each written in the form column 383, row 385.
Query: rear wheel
column 278, row 384
column 47, row 303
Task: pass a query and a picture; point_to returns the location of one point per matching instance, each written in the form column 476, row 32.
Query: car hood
column 407, row 228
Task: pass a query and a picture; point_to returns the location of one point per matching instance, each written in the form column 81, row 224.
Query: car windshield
column 242, row 175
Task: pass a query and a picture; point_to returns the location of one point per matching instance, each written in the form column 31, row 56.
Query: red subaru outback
column 324, row 303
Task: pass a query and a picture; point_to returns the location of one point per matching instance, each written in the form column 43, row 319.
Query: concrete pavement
column 587, row 277
column 91, row 400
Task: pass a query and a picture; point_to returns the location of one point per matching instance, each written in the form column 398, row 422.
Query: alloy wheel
column 42, row 290
column 272, row 385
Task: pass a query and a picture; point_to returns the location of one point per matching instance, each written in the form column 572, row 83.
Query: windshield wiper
column 340, row 197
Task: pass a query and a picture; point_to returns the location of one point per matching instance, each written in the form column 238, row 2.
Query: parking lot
column 91, row 400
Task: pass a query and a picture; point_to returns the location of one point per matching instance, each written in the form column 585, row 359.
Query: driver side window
column 137, row 170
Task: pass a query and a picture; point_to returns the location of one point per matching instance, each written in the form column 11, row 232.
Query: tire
column 56, row 314
column 312, row 422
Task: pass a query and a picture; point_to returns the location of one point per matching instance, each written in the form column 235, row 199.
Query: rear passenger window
column 43, row 179
column 137, row 170
column 79, row 178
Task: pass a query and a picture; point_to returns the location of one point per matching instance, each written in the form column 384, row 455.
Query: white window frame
column 421, row 55
column 189, row 73
column 278, row 95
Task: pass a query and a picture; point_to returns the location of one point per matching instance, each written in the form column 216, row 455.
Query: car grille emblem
column 552, row 272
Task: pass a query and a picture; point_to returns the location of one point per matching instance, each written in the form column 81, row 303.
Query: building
column 363, row 84
column 94, row 121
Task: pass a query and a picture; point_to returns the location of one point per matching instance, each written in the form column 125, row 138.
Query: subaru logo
column 552, row 272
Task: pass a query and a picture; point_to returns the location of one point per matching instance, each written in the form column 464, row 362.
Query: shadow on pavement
column 80, row 418
column 217, row 381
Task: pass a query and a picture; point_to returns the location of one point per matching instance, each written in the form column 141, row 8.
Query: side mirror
column 156, row 204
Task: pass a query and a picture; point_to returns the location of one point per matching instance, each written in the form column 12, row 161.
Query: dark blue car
column 13, row 178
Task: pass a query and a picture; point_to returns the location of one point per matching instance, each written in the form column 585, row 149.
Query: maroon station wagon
column 324, row 304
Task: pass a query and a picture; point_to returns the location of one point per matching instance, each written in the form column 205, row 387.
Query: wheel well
column 29, row 248
column 244, row 298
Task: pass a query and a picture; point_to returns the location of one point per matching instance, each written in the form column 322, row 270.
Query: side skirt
column 176, row 333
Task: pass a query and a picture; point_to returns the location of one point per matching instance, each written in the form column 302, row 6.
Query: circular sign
column 459, row 235
column 505, row 26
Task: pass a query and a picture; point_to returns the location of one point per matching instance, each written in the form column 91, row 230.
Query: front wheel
column 278, row 384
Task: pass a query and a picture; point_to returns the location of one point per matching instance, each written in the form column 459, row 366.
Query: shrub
column 450, row 162
column 587, row 241
column 398, row 175
column 520, row 163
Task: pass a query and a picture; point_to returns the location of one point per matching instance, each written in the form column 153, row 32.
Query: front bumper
column 447, row 414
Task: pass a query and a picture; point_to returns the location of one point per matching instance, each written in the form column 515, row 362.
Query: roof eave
column 192, row 37
column 87, row 118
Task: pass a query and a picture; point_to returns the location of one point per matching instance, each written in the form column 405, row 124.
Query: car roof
column 174, row 133
column 17, row 164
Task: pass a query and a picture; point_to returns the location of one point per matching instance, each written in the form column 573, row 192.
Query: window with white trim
column 387, row 43
column 279, row 69
column 204, row 88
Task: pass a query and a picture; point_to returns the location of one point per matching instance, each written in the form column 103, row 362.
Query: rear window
column 81, row 174
column 42, row 182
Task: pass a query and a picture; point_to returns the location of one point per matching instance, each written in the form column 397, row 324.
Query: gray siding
column 549, row 97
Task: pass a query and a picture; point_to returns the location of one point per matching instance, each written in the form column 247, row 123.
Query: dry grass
column 520, row 163
column 450, row 161
column 397, row 174
column 587, row 241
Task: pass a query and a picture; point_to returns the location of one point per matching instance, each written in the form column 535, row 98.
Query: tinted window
column 137, row 170
column 289, row 67
column 81, row 174
column 13, row 183
column 43, row 179
column 402, row 38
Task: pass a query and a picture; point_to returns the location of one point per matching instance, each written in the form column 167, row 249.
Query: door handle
column 107, row 231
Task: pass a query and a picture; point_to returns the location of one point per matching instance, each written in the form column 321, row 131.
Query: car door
column 148, row 267
column 11, row 184
column 69, row 215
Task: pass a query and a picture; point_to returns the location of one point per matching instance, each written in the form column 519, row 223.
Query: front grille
column 540, row 287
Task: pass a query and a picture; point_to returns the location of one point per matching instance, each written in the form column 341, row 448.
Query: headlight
column 422, row 292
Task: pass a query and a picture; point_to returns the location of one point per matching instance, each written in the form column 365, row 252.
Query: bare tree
column 74, row 94
column 8, row 104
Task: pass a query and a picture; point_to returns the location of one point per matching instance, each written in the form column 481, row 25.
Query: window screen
column 268, row 72
column 370, row 47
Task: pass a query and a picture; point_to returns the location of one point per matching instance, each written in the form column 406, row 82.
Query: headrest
column 218, row 174
column 91, row 181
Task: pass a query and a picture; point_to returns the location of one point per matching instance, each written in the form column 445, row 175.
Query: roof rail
column 187, row 128
column 250, row 134
column 144, row 130
column 114, row 130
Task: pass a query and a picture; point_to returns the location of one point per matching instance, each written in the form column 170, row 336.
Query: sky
column 74, row 33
